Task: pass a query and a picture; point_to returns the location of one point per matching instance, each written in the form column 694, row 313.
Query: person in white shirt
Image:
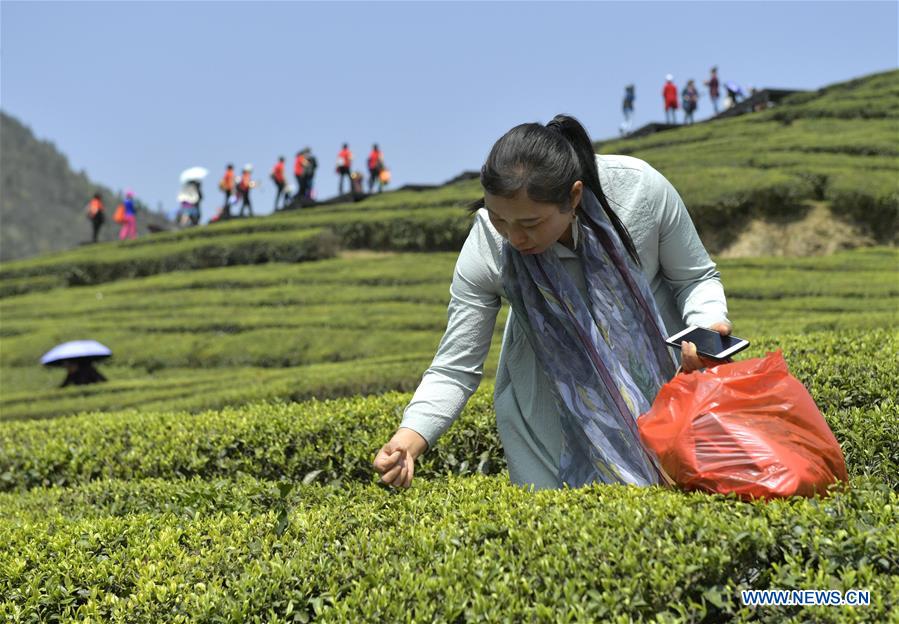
column 599, row 260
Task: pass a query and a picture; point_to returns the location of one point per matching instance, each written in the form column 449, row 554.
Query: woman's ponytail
column 546, row 161
column 577, row 136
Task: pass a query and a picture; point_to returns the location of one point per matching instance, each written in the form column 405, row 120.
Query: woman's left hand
column 691, row 360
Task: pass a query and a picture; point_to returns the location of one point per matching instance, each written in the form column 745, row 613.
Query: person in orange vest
column 670, row 95
column 227, row 186
column 279, row 179
column 344, row 163
column 375, row 166
column 243, row 189
column 95, row 214
column 299, row 165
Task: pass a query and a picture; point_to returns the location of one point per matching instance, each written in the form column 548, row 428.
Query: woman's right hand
column 395, row 462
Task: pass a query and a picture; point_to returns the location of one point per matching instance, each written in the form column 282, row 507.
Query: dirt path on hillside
column 818, row 233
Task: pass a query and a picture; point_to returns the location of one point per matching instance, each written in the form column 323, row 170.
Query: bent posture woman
column 593, row 291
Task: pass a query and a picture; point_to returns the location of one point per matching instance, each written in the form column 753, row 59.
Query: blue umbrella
column 85, row 350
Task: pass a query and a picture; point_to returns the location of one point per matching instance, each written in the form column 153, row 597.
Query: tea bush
column 459, row 549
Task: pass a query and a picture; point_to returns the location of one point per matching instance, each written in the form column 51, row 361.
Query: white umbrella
column 188, row 194
column 194, row 173
column 76, row 349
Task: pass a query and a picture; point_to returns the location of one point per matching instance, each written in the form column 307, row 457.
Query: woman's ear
column 577, row 191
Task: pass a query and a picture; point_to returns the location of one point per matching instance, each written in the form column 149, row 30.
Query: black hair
column 230, row 166
column 546, row 161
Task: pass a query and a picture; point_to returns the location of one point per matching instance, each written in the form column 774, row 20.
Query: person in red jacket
column 375, row 167
column 344, row 165
column 279, row 179
column 670, row 95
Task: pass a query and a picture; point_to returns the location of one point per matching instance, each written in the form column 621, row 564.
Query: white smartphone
column 709, row 343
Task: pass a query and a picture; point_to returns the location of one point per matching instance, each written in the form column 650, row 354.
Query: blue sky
column 134, row 92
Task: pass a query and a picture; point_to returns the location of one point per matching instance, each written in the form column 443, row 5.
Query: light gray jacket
column 684, row 280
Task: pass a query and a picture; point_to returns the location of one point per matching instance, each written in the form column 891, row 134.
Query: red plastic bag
column 747, row 427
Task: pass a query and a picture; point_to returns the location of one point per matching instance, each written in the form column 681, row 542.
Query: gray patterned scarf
column 606, row 358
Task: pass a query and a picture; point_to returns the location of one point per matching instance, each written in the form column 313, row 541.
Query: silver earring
column 574, row 230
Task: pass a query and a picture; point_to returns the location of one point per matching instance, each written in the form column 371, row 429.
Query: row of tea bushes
column 472, row 549
column 827, row 361
column 334, row 439
column 188, row 312
column 116, row 261
column 378, row 207
column 438, row 229
column 192, row 390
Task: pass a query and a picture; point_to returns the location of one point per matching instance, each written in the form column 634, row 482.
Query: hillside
column 42, row 200
column 836, row 148
column 193, row 486
column 816, row 174
column 223, row 473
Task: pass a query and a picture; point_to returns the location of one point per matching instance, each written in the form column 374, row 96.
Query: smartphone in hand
column 709, row 343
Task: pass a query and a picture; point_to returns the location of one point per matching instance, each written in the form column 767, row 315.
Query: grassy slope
column 127, row 536
column 345, row 325
column 836, row 145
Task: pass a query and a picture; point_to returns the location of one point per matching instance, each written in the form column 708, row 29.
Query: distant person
column 96, row 215
column 375, row 166
column 81, row 373
column 344, row 164
column 734, row 94
column 227, row 211
column 244, row 187
column 227, row 186
column 384, row 176
column 690, row 100
column 78, row 357
column 287, row 196
column 627, row 108
column 299, row 168
column 309, row 173
column 759, row 104
column 593, row 292
column 669, row 93
column 129, row 218
column 189, row 202
column 195, row 213
column 356, row 184
column 279, row 179
column 714, row 88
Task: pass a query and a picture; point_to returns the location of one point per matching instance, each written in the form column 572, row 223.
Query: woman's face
column 532, row 227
